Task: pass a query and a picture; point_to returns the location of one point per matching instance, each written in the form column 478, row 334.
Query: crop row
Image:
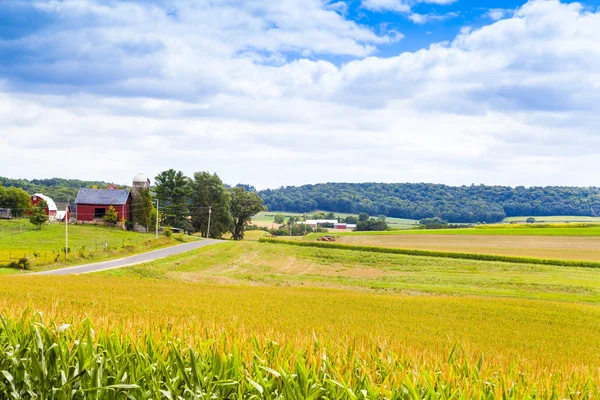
column 443, row 254
column 59, row 362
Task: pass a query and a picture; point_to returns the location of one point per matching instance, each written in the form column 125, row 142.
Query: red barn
column 51, row 209
column 94, row 203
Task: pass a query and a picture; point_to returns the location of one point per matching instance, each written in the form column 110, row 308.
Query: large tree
column 173, row 193
column 244, row 205
column 14, row 198
column 209, row 191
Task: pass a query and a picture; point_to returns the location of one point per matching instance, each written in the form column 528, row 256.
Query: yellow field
column 549, row 247
column 398, row 318
column 538, row 336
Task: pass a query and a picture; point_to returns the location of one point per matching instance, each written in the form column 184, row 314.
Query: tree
column 372, row 224
column 363, row 217
column 530, row 220
column 351, row 220
column 14, row 198
column 38, row 216
column 433, row 223
column 173, row 191
column 209, row 190
column 111, row 215
column 244, row 205
column 279, row 219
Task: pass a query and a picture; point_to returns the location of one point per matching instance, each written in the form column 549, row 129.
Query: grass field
column 265, row 218
column 554, row 219
column 87, row 243
column 257, row 264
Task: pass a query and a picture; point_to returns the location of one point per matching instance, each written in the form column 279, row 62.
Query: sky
column 291, row 92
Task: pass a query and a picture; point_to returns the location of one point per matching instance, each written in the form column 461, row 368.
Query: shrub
column 22, row 264
column 168, row 231
column 111, row 215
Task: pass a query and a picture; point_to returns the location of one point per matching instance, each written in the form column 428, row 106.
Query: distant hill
column 424, row 200
column 58, row 189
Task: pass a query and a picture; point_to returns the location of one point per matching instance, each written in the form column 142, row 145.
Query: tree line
column 464, row 204
column 58, row 189
column 455, row 204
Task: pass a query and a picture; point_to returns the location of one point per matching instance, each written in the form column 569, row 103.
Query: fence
column 49, row 246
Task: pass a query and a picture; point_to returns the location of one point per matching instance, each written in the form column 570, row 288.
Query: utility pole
column 208, row 229
column 67, row 231
column 156, row 229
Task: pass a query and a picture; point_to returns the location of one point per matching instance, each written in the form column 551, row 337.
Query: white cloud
column 514, row 102
column 405, row 6
column 496, row 14
column 425, row 18
column 387, row 5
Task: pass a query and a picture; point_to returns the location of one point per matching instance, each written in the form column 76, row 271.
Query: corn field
column 51, row 361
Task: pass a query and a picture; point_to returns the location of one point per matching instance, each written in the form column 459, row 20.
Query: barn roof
column 102, row 196
column 51, row 204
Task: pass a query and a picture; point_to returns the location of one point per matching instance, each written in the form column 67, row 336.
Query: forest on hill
column 475, row 203
column 58, row 189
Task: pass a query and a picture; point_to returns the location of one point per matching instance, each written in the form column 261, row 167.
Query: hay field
column 496, row 229
column 585, row 248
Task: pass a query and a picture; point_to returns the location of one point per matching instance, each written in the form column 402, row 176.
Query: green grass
column 87, row 243
column 251, row 263
column 501, row 230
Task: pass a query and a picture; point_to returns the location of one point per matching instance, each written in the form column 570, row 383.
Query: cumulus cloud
column 247, row 89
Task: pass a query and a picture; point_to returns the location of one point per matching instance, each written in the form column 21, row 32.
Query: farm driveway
column 132, row 260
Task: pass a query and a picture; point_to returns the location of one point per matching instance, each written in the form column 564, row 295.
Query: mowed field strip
column 264, row 264
column 585, row 248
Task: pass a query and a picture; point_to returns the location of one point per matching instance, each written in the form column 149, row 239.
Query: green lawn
column 87, row 243
column 251, row 263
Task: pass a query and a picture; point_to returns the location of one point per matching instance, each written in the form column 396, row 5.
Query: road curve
column 132, row 260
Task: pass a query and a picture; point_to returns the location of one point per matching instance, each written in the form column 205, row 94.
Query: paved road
column 127, row 261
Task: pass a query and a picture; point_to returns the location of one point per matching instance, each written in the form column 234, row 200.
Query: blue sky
column 302, row 91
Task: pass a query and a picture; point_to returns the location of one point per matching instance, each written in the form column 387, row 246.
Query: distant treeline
column 475, row 203
column 58, row 189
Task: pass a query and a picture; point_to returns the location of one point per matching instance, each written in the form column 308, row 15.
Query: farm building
column 5, row 213
column 94, row 203
column 60, row 215
column 317, row 222
column 341, row 225
column 51, row 210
